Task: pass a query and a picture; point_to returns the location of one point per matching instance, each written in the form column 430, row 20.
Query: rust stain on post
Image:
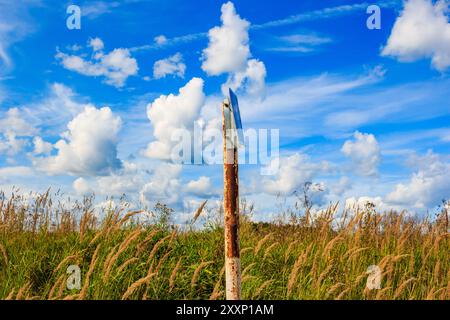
column 231, row 214
column 231, row 197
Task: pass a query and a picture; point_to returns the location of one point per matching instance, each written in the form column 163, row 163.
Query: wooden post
column 231, row 207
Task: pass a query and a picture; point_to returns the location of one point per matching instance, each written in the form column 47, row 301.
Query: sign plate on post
column 236, row 116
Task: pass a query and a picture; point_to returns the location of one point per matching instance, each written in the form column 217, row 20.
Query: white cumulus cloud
column 129, row 180
column 228, row 51
column 293, row 173
column 421, row 31
column 14, row 130
column 173, row 112
column 364, row 152
column 427, row 187
column 41, row 146
column 251, row 80
column 164, row 185
column 355, row 204
column 11, row 145
column 116, row 66
column 96, row 44
column 14, row 122
column 89, row 147
column 172, row 65
column 200, row 187
column 81, row 187
column 228, row 48
column 160, row 40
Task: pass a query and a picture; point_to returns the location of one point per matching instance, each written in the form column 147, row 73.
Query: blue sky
column 362, row 113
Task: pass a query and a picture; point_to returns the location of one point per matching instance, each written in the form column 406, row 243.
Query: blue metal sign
column 236, row 115
column 235, row 107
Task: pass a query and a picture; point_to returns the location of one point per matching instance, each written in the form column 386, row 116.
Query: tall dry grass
column 322, row 257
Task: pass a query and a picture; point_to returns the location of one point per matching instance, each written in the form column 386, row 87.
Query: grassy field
column 121, row 258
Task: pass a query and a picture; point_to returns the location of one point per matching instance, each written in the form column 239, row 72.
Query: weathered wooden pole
column 231, row 205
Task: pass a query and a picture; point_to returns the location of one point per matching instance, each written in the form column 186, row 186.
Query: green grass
column 302, row 260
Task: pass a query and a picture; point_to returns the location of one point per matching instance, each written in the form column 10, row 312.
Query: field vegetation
column 126, row 254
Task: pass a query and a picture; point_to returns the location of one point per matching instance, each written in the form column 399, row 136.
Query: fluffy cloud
column 421, row 31
column 229, row 52
column 19, row 127
column 128, row 181
column 251, row 80
column 89, row 146
column 341, row 186
column 160, row 182
column 116, row 66
column 170, row 113
column 41, row 146
column 228, row 48
column 96, row 44
column 171, row 65
column 14, row 122
column 12, row 127
column 81, row 187
column 164, row 186
column 364, row 202
column 293, row 173
column 11, row 145
column 160, row 40
column 427, row 187
column 364, row 152
column 200, row 187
